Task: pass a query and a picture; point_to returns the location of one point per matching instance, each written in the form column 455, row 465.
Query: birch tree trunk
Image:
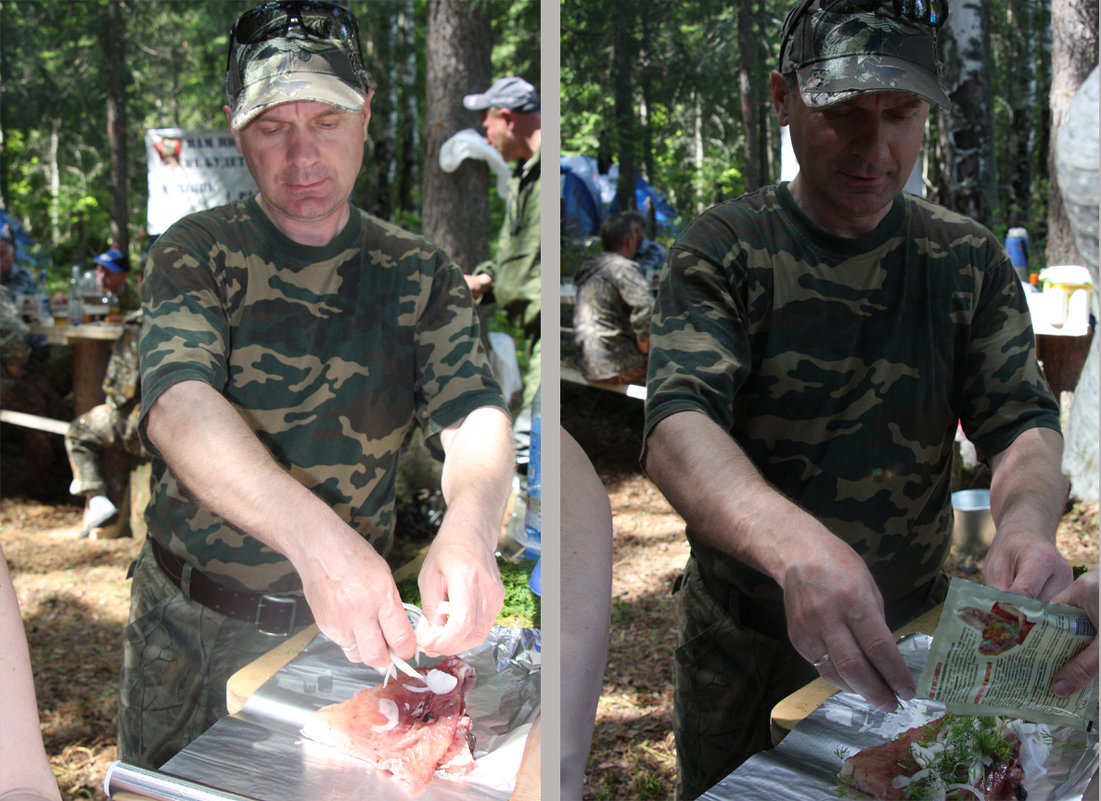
column 967, row 133
column 1021, row 134
column 456, row 205
column 1073, row 56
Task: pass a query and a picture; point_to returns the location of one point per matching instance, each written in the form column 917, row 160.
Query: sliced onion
column 439, row 682
column 390, row 709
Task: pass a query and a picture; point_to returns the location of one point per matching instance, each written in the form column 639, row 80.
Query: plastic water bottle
column 533, row 515
column 76, row 302
column 42, row 297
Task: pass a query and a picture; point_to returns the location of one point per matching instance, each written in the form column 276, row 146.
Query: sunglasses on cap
column 274, row 19
column 932, row 13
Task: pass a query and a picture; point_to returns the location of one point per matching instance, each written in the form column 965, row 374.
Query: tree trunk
column 115, row 57
column 1073, row 56
column 412, row 127
column 623, row 54
column 456, row 205
column 747, row 82
column 967, row 131
column 1021, row 132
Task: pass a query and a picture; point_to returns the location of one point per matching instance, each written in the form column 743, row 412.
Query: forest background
column 674, row 90
column 80, row 82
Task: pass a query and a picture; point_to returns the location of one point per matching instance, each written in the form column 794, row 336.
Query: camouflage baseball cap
column 512, row 93
column 839, row 49
column 289, row 50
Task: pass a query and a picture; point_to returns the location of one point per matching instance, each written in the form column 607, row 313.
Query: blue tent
column 589, row 196
column 24, row 242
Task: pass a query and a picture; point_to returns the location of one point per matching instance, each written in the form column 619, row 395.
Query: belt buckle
column 279, row 601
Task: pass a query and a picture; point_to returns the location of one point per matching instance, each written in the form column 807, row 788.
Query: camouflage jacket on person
column 15, row 346
column 612, row 315
column 841, row 367
column 328, row 353
column 122, row 381
column 516, row 270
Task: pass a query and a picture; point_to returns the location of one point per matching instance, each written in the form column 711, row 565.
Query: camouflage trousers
column 89, row 435
column 728, row 677
column 177, row 656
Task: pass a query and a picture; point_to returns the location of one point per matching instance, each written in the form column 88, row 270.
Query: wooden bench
column 35, row 421
column 574, row 376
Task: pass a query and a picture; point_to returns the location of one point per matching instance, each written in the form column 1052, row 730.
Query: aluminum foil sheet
column 258, row 752
column 804, row 766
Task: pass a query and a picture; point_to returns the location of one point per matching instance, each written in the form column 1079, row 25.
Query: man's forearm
column 1027, row 486
column 723, row 497
column 477, row 471
column 215, row 454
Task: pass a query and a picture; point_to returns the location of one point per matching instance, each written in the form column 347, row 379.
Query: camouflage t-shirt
column 841, row 367
column 327, row 352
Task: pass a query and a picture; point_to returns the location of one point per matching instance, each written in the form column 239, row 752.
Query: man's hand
column 459, row 568
column 479, row 284
column 352, row 594
column 1081, row 669
column 834, row 609
column 1026, row 562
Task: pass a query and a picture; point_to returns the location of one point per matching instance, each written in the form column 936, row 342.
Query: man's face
column 110, row 280
column 854, row 156
column 495, row 121
column 7, row 257
column 304, row 157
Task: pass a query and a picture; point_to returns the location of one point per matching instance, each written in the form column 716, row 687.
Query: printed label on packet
column 995, row 652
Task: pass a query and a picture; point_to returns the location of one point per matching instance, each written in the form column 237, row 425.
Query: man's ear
column 229, row 119
column 779, row 86
column 509, row 116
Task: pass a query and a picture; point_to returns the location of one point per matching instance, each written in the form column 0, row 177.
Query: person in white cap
column 290, row 340
column 813, row 347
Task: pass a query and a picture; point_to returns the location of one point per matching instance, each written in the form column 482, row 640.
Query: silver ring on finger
column 348, row 648
column 820, row 662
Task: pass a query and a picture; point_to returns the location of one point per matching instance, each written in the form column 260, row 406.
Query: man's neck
column 314, row 233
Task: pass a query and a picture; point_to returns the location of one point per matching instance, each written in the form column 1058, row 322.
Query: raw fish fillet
column 404, row 728
column 873, row 771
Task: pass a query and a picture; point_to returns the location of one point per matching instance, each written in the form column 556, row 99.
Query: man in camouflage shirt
column 611, row 320
column 289, row 342
column 812, row 348
column 510, row 117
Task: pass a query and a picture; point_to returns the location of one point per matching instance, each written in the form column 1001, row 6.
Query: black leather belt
column 276, row 615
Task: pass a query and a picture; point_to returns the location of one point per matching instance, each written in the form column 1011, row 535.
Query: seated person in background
column 25, row 386
column 113, row 423
column 650, row 255
column 611, row 321
column 112, row 268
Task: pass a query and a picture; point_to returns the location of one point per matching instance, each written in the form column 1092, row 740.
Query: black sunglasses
column 317, row 20
column 923, row 12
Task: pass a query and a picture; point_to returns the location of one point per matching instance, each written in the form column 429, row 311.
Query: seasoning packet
column 995, row 652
